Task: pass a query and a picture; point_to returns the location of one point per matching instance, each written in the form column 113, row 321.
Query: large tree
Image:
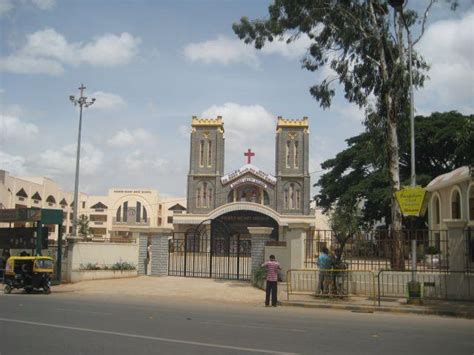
column 358, row 174
column 364, row 42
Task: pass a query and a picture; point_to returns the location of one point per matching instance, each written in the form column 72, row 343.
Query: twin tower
column 287, row 192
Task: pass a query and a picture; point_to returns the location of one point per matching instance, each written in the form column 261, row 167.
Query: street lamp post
column 82, row 102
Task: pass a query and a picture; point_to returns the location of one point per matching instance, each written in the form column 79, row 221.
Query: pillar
column 142, row 254
column 259, row 236
column 159, row 255
column 457, row 245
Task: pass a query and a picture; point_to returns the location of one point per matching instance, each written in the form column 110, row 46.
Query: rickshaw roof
column 30, row 258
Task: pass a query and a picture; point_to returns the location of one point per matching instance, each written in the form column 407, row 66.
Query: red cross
column 249, row 156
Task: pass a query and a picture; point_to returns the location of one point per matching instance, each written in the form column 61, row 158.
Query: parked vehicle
column 29, row 273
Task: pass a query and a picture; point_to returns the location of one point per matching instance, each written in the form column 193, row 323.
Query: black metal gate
column 211, row 250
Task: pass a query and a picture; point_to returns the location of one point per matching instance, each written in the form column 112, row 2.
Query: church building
column 248, row 197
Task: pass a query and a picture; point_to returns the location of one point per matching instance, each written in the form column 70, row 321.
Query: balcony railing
column 133, row 222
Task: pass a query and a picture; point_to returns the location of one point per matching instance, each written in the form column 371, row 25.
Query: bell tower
column 206, row 164
column 291, row 165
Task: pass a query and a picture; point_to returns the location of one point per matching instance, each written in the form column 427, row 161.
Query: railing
column 330, row 283
column 133, row 222
column 380, row 249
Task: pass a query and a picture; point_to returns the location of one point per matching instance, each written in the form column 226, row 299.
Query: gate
column 211, row 250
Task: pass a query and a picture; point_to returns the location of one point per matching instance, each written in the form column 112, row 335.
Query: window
column 209, row 153
column 170, row 220
column 287, row 154
column 295, row 153
column 292, row 196
column 160, row 221
column 139, row 212
column 436, row 213
column 455, row 205
column 204, row 195
column 118, row 216
column 209, row 196
column 83, row 204
column 145, row 216
column 125, row 211
column 201, row 153
column 198, row 197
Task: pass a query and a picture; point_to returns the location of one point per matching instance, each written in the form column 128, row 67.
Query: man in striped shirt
column 272, row 267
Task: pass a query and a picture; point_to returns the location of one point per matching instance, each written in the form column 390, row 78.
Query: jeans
column 271, row 289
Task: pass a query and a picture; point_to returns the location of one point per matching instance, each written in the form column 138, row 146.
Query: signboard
column 410, row 200
column 20, row 215
column 21, row 238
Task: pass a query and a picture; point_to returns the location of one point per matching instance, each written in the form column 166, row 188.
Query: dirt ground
column 197, row 289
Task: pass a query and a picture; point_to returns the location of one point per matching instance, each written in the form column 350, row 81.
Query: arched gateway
column 230, row 218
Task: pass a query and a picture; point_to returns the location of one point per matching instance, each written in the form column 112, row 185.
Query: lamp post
column 82, row 102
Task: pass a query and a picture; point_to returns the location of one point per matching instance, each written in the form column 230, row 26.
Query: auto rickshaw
column 28, row 272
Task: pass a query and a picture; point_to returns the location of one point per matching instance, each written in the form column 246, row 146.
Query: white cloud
column 14, row 130
column 63, row 160
column 47, row 51
column 14, row 164
column 224, row 50
column 125, row 138
column 8, row 5
column 448, row 46
column 246, row 127
column 295, row 49
column 5, row 6
column 139, row 161
column 44, row 4
column 221, row 50
column 107, row 101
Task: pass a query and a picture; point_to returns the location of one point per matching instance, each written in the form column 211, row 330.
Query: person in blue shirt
column 324, row 263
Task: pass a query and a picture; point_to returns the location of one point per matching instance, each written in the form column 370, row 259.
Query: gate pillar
column 159, row 255
column 142, row 254
column 259, row 235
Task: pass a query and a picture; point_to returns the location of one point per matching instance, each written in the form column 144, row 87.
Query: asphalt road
column 67, row 324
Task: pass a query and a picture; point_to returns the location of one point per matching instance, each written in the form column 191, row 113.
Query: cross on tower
column 249, row 154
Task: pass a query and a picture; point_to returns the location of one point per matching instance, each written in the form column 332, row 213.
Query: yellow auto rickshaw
column 28, row 272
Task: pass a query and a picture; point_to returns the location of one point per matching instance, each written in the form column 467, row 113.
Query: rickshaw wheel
column 47, row 290
column 7, row 289
column 28, row 289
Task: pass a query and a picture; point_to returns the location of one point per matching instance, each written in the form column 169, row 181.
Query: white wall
column 101, row 253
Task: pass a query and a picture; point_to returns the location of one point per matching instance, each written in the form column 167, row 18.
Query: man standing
column 324, row 263
column 272, row 267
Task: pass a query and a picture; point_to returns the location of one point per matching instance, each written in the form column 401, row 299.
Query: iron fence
column 381, row 249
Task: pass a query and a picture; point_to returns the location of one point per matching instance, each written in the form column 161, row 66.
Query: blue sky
column 154, row 64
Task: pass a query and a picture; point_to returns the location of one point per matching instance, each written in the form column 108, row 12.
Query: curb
column 373, row 309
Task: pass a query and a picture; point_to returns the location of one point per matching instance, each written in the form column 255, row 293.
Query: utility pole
column 82, row 102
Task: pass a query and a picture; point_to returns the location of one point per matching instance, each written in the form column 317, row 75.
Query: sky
column 152, row 65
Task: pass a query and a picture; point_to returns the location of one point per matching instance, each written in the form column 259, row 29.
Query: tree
column 364, row 43
column 358, row 173
column 83, row 225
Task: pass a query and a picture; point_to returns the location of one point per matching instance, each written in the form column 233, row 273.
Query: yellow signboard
column 411, row 200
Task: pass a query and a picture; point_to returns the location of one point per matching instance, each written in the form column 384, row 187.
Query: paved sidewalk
column 393, row 305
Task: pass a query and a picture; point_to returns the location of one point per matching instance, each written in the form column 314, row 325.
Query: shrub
column 432, row 250
column 122, row 266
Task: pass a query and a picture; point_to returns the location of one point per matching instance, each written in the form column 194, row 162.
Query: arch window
column 295, row 154
column 209, row 153
column 201, row 153
column 456, row 204
column 118, row 215
column 292, row 196
column 287, row 154
column 204, row 195
column 436, row 214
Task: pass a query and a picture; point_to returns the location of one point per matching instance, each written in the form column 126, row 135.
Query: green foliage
column 123, row 266
column 260, row 274
column 432, row 250
column 83, row 225
column 444, row 142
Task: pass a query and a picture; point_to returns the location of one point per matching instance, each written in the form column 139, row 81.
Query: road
column 71, row 324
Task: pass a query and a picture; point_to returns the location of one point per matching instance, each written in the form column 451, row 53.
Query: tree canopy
column 358, row 174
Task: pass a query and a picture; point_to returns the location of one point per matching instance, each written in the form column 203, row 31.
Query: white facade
column 115, row 215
